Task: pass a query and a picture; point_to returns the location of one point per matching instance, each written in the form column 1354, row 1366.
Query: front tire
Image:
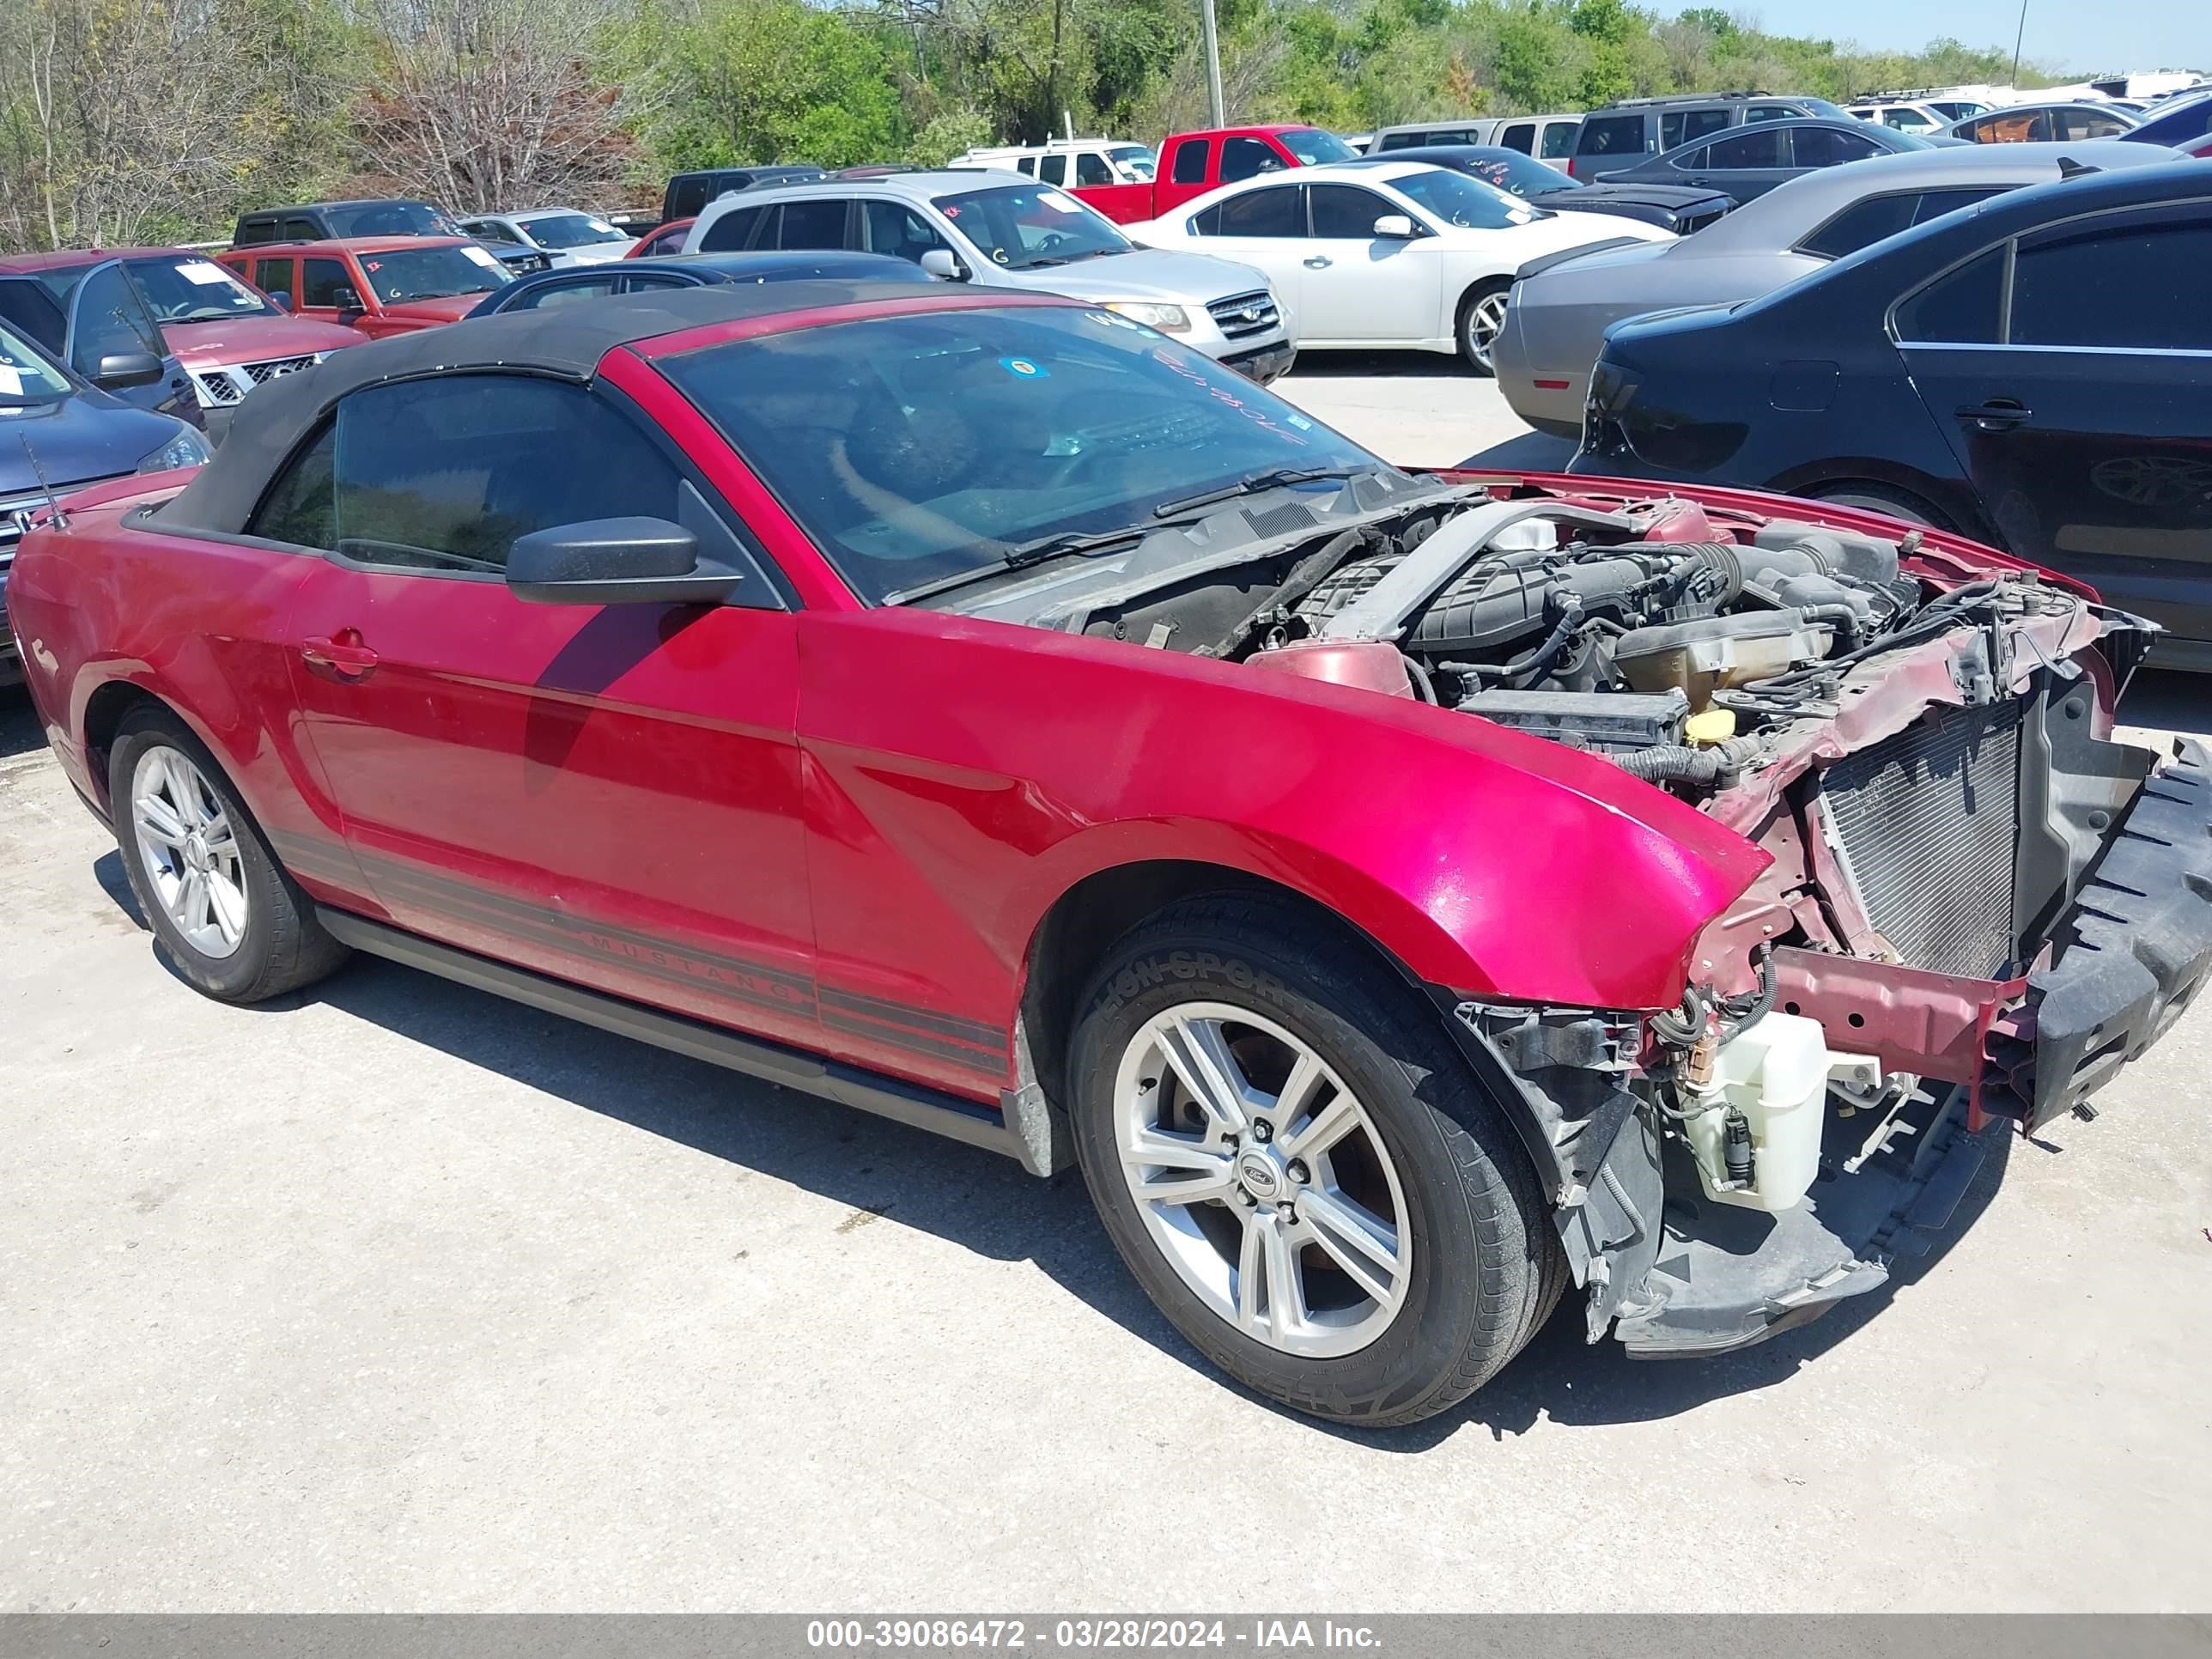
column 229, row 919
column 1297, row 1165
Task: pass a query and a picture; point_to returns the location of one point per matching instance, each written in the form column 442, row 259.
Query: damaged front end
column 1980, row 906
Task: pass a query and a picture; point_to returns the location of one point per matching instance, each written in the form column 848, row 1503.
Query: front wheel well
column 1073, row 936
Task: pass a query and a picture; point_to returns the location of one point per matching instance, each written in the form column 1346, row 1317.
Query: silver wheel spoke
column 159, row 820
column 1200, row 1172
column 189, row 851
column 1199, row 1055
column 1364, row 1245
column 1327, row 1127
column 229, row 905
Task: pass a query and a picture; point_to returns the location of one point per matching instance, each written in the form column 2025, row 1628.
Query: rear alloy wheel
column 1293, row 1158
column 1481, row 319
column 232, row 923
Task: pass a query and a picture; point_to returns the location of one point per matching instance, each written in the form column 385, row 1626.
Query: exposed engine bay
column 1920, row 738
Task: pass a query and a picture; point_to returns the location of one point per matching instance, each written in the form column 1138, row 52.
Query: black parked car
column 318, row 222
column 696, row 270
column 1748, row 161
column 2034, row 371
column 688, row 193
column 1679, row 208
column 59, row 433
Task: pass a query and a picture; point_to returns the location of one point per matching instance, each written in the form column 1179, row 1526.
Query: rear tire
column 1899, row 504
column 1362, row 1237
column 1481, row 315
column 232, row 923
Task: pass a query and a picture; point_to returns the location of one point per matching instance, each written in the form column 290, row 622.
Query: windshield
column 1132, row 162
column 25, row 377
column 1519, row 175
column 1315, row 148
column 1030, row 227
column 431, row 273
column 568, row 230
column 918, row 447
column 180, row 290
column 389, row 219
column 1458, row 200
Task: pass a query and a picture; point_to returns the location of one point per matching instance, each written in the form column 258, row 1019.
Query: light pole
column 1214, row 64
column 2018, row 35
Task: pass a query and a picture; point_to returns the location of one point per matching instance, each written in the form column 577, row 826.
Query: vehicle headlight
column 187, row 448
column 1168, row 319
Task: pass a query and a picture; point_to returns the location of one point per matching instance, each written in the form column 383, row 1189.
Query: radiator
column 1930, row 824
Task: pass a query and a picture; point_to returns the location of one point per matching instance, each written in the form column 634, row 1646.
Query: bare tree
column 484, row 104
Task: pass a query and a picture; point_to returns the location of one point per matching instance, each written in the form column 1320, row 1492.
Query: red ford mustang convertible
column 1402, row 896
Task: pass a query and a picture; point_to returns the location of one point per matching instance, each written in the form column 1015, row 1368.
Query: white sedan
column 1372, row 254
column 564, row 235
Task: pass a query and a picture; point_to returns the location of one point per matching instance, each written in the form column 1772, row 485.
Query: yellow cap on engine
column 1710, row 726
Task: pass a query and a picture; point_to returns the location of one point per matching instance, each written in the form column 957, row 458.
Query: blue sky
column 2061, row 34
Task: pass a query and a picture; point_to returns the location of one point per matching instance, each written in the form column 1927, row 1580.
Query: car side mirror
column 944, row 263
column 1396, row 226
column 281, row 302
column 119, row 369
column 615, row 562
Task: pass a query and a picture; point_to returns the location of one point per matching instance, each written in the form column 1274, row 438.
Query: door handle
column 1319, row 262
column 346, row 658
column 1998, row 414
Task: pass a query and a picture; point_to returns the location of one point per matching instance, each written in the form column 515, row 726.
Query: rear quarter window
column 1960, row 307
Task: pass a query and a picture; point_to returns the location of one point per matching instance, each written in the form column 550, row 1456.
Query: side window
column 645, row 282
column 301, row 506
column 813, row 224
column 2163, row 264
column 1207, row 223
column 685, row 198
column 1860, row 225
column 110, row 318
column 1670, row 130
column 1688, row 126
column 1959, row 308
column 1824, row 146
column 1521, row 136
column 2089, row 124
column 275, row 276
column 1053, row 169
column 1768, row 113
column 1691, row 161
column 561, row 293
column 1246, row 158
column 297, row 229
column 1611, row 135
column 1027, row 164
column 893, row 228
column 444, row 474
column 1344, row 211
column 30, row 309
column 252, row 229
column 734, row 230
column 327, row 283
column 1278, row 211
column 1190, row 160
column 1759, row 149
column 1091, row 169
column 1559, row 140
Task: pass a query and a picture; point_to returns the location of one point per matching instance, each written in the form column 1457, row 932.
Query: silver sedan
column 1561, row 308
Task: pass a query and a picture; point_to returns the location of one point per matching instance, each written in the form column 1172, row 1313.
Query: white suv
column 1003, row 230
column 1073, row 161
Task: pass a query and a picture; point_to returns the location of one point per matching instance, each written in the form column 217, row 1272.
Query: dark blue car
column 696, row 271
column 58, row 432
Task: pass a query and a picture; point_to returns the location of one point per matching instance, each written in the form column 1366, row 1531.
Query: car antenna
column 2071, row 168
column 54, row 514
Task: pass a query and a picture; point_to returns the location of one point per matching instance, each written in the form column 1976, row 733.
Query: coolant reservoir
column 1775, row 1071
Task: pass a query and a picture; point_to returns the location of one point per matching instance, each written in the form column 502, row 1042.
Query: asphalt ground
column 393, row 1296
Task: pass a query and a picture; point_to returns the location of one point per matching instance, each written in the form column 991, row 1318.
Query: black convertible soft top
column 564, row 340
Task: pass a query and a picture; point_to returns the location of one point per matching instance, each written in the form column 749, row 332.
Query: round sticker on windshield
column 1023, row 369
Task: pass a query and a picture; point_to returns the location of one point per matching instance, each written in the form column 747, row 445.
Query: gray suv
column 1621, row 135
column 1005, row 230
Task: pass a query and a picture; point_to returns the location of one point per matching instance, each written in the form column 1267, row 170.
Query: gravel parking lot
column 397, row 1297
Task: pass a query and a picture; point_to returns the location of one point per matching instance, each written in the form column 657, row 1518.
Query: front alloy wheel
column 1482, row 321
column 1262, row 1179
column 189, row 851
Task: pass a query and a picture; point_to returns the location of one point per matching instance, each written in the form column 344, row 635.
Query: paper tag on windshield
column 488, row 261
column 602, row 227
column 1058, row 203
column 205, row 272
column 11, row 383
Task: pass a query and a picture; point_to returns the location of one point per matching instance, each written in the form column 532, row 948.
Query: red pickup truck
column 1192, row 163
column 378, row 285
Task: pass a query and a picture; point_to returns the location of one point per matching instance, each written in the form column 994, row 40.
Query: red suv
column 375, row 285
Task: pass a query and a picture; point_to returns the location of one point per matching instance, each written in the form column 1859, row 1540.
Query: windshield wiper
column 1273, row 478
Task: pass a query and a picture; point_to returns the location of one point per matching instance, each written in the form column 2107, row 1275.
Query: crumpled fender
column 1001, row 765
